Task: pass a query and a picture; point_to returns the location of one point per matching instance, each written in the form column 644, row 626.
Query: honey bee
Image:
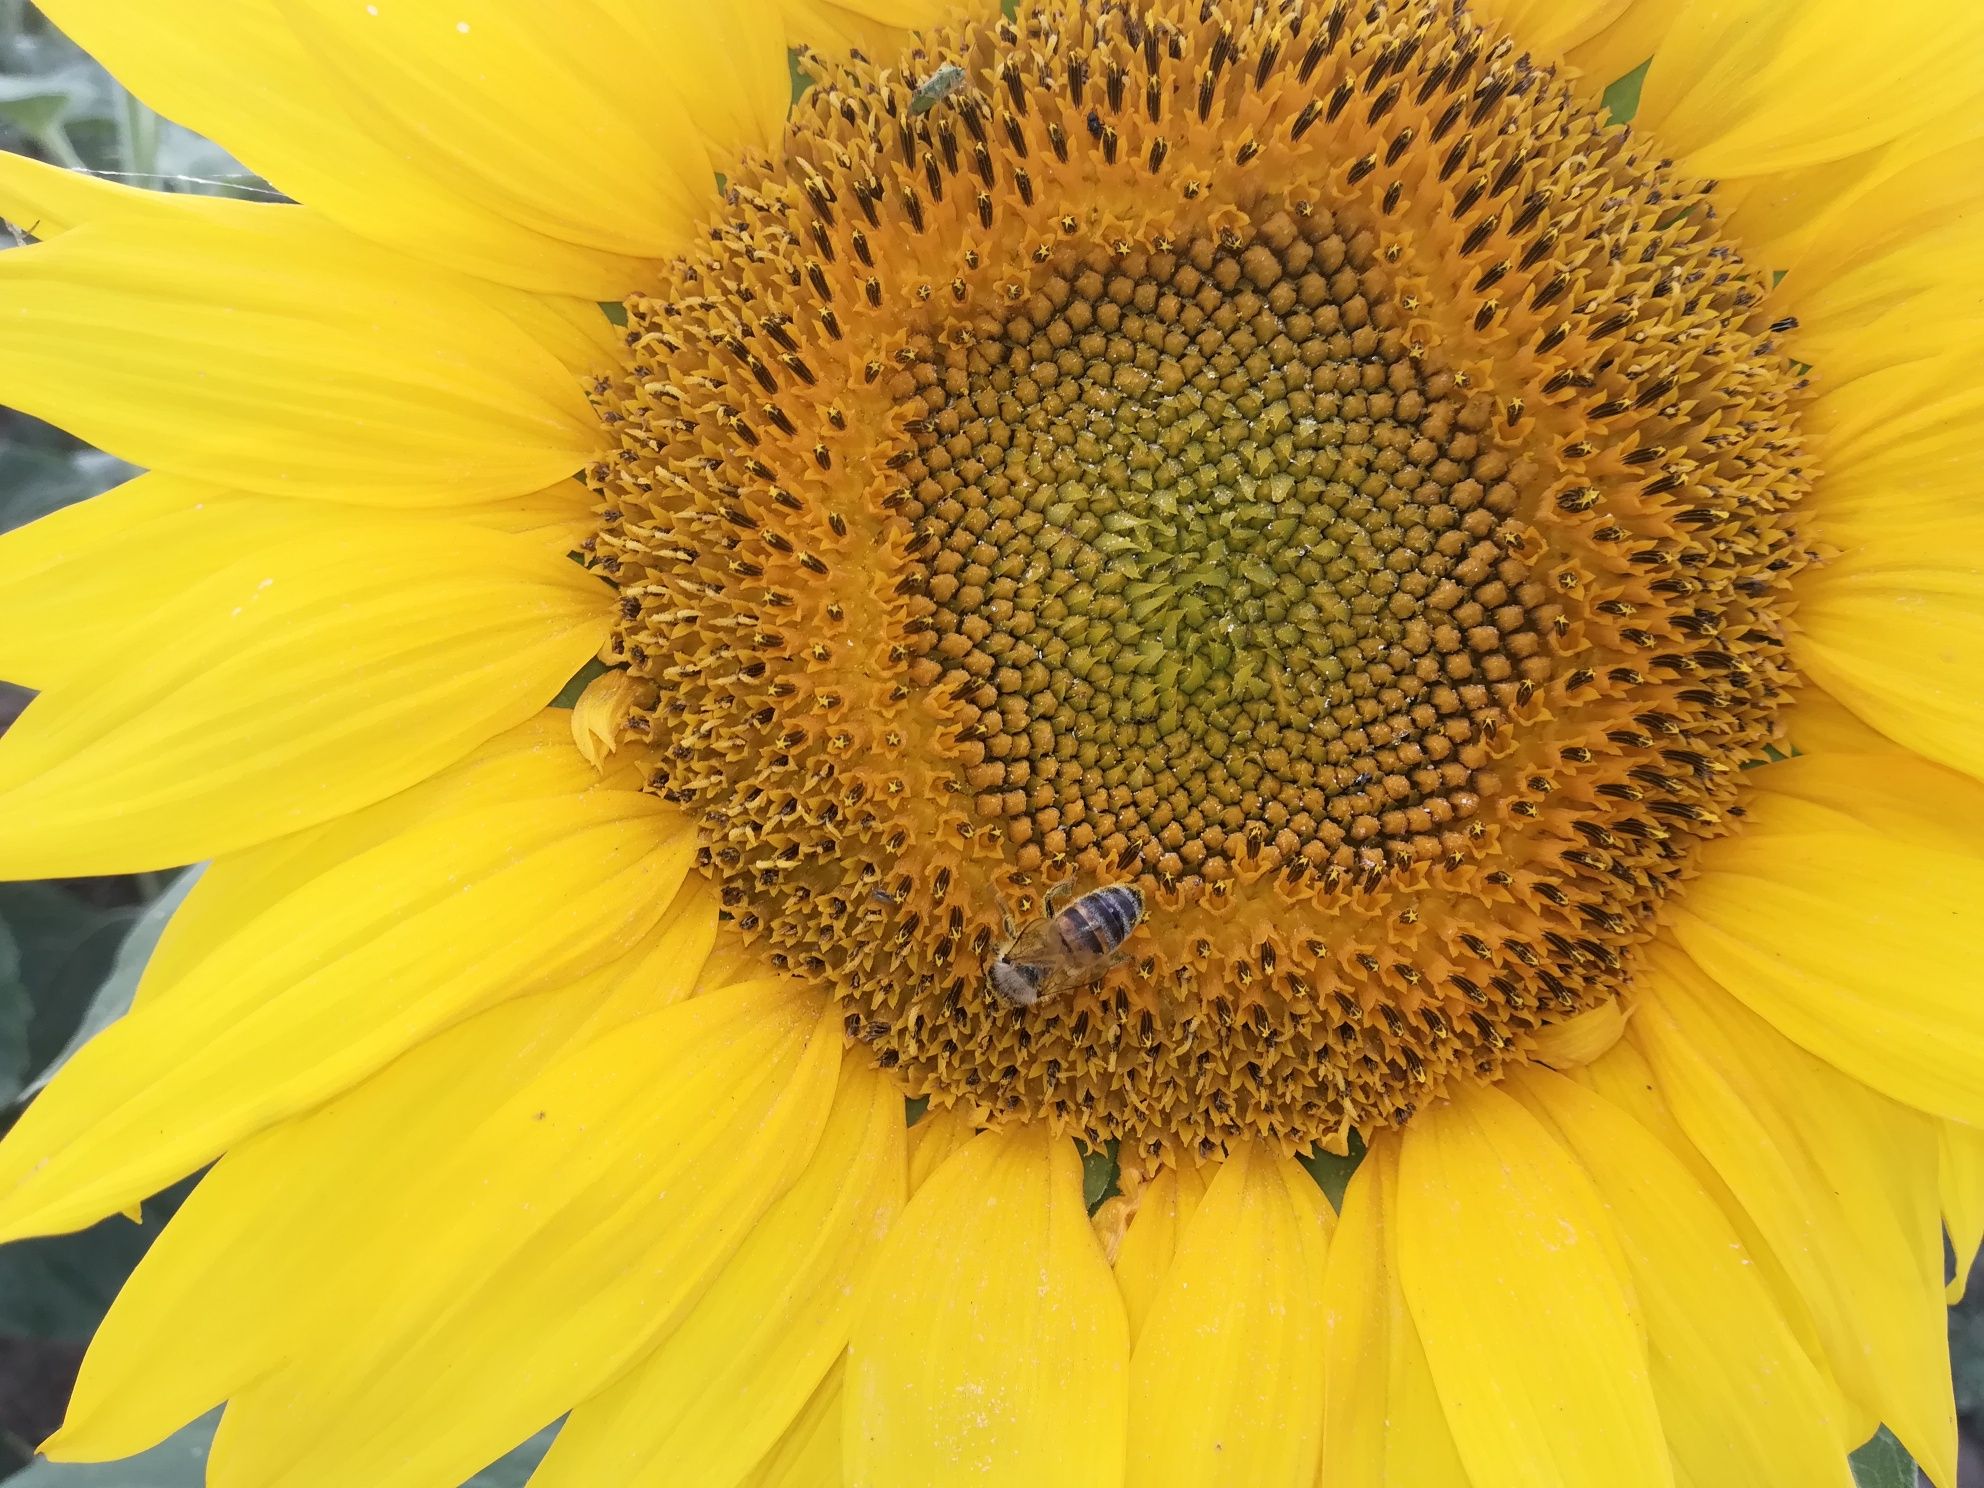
column 934, row 89
column 1068, row 946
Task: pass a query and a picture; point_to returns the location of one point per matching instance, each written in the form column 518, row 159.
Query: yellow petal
column 1960, row 1168
column 1842, row 933
column 600, row 713
column 275, row 354
column 878, row 29
column 217, row 1298
column 323, row 670
column 1820, row 723
column 558, row 518
column 446, row 83
column 1583, row 1038
column 1900, row 641
column 1163, row 1210
column 1383, row 1425
column 583, row 1217
column 1745, row 87
column 727, row 64
column 493, row 137
column 1631, row 39
column 1514, row 1279
column 1226, row 1383
column 932, row 1140
column 1784, row 217
column 1888, row 625
column 1625, row 1078
column 1739, row 1399
column 720, row 1391
column 343, row 974
column 808, row 1455
column 1896, row 444
column 1875, row 263
column 1839, row 1181
column 990, row 1344
column 45, row 200
column 73, row 578
column 1548, row 29
column 533, row 761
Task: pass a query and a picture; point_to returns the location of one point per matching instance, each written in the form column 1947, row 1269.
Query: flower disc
column 1300, row 461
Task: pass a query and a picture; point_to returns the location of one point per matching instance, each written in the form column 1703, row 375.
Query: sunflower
column 1494, row 580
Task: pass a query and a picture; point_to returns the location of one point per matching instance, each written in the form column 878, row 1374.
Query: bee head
column 1017, row 983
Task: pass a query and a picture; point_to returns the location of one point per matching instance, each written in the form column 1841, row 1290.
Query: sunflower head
column 1307, row 466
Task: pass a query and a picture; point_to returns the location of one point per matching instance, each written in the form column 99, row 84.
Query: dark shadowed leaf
column 1332, row 1173
column 34, row 105
column 568, row 695
column 180, row 1462
column 60, row 1286
column 1883, row 1463
column 112, row 998
column 14, row 1014
column 66, row 946
column 1098, row 1174
column 36, row 481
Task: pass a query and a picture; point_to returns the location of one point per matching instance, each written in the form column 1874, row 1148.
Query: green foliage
column 1099, row 1174
column 1967, row 1349
column 1332, row 1173
column 15, row 1012
column 568, row 695
column 36, row 479
column 112, row 997
column 60, row 1287
column 68, row 967
column 1883, row 1463
column 1622, row 99
column 180, row 1461
column 64, row 946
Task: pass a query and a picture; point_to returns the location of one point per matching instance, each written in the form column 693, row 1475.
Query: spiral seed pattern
column 1299, row 460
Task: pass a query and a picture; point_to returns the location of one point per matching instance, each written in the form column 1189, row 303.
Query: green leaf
column 180, row 1462
column 35, row 482
column 31, row 106
column 67, row 946
column 1883, row 1463
column 1332, row 1173
column 568, row 695
column 60, row 1286
column 510, row 1470
column 1622, row 99
column 112, row 998
column 15, row 1011
column 1098, row 1174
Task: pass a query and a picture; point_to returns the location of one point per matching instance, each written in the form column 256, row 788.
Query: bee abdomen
column 1100, row 921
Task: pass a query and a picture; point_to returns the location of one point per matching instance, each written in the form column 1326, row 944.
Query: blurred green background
column 71, row 950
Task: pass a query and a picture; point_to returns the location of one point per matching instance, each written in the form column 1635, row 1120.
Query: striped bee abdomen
column 1101, row 920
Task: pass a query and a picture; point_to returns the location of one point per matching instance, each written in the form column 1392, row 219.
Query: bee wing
column 1038, row 944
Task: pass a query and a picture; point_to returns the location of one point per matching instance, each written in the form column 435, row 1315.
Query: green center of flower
column 1306, row 468
column 1226, row 576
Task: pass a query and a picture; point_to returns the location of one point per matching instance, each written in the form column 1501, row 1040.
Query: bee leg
column 1052, row 900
